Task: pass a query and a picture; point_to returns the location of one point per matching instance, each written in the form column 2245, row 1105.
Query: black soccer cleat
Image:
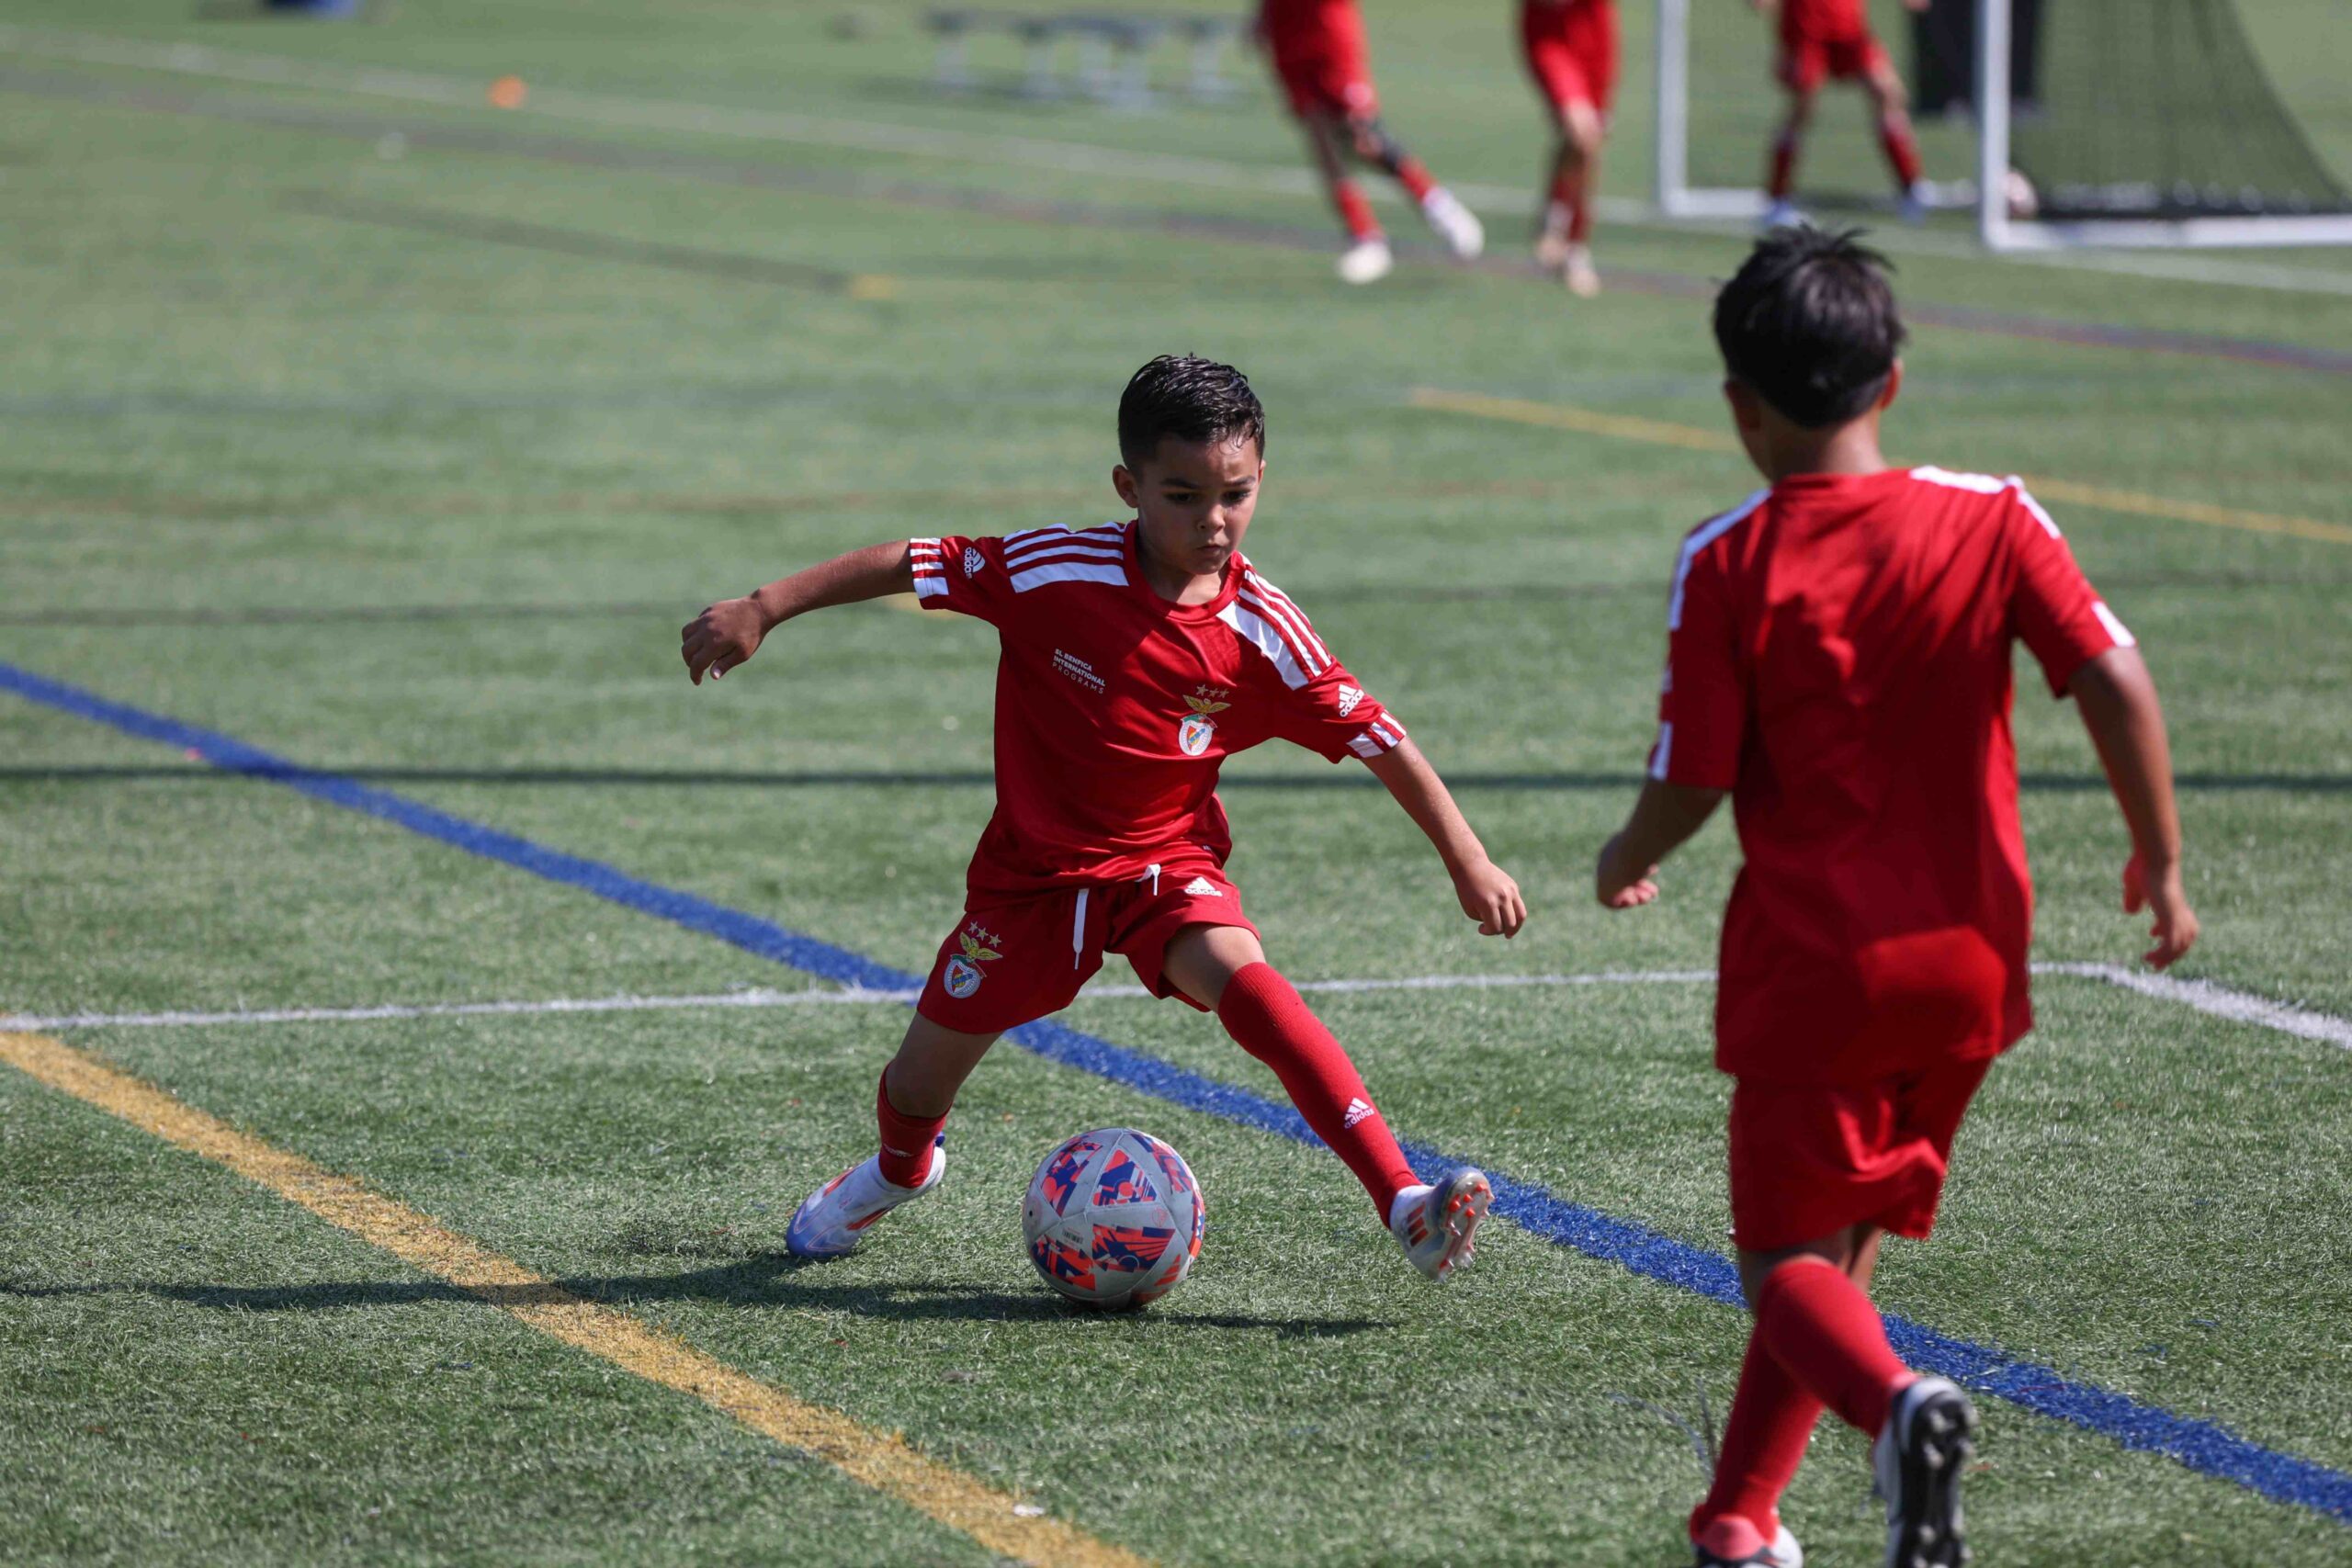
column 1929, row 1434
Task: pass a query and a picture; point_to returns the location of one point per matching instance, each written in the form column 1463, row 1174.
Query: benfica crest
column 1196, row 729
column 964, row 974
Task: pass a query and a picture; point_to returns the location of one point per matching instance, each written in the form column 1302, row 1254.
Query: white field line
column 2200, row 995
column 2218, row 1002
column 1064, row 157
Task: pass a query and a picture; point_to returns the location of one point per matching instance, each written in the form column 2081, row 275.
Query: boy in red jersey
column 1136, row 657
column 1317, row 51
column 1839, row 663
column 1571, row 48
column 1831, row 41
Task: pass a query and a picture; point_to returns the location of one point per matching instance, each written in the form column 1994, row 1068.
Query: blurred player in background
column 1839, row 652
column 1571, row 48
column 1317, row 51
column 1830, row 40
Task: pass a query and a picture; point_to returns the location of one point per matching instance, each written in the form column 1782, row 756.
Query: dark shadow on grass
column 762, row 1279
column 880, row 778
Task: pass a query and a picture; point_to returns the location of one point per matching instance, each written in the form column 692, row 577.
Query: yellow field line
column 1659, row 433
column 882, row 1461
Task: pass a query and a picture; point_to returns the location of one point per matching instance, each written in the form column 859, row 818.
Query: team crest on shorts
column 963, row 975
column 1196, row 729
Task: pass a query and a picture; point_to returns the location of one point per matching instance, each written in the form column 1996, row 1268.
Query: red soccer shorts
column 1326, row 70
column 1808, row 1160
column 1011, row 962
column 1572, row 52
column 1807, row 62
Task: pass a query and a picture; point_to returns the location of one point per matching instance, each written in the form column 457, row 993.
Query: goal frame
column 2002, row 232
column 1675, row 197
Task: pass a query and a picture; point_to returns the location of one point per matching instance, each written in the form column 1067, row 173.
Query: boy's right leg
column 910, row 1106
column 1367, row 258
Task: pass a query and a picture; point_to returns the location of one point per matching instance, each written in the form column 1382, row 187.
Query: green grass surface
column 287, row 454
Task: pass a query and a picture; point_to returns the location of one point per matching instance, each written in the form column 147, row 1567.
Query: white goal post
column 1990, row 192
column 2002, row 230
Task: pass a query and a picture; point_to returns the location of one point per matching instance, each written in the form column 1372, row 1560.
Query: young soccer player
column 1571, row 48
column 1831, row 41
column 1317, row 51
column 1136, row 657
column 1837, row 661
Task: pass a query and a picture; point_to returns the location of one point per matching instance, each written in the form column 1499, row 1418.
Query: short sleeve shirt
column 1114, row 707
column 1838, row 659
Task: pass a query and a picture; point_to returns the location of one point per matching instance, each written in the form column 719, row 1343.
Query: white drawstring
column 1153, row 871
column 1077, row 931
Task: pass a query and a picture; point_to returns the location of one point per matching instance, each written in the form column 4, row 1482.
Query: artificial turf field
column 396, row 436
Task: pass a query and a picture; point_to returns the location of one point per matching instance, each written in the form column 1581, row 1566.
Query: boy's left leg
column 1804, row 1154
column 1224, row 970
column 1454, row 223
column 1891, row 110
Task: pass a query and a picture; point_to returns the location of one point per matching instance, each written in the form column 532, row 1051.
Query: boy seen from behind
column 1136, row 657
column 1838, row 663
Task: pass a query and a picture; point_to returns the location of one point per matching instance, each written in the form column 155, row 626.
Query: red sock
column 1771, row 1420
column 1354, row 211
column 1784, row 168
column 905, row 1140
column 1820, row 1326
column 1901, row 149
column 1414, row 178
column 1264, row 1013
column 1571, row 194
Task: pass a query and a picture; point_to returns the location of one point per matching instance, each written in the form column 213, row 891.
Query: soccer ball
column 1114, row 1218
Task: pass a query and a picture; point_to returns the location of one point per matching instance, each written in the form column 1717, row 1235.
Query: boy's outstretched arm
column 1489, row 894
column 730, row 631
column 2117, row 699
column 1665, row 816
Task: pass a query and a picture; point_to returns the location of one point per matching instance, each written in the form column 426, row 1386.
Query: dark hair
column 1810, row 324
column 1192, row 400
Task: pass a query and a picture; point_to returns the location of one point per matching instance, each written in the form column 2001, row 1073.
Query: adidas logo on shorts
column 1201, row 888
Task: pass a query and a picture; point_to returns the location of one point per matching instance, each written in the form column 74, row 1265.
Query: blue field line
column 2202, row 1446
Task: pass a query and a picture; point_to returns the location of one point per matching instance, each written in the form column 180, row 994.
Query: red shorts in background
column 1322, row 62
column 1020, row 959
column 1808, row 1160
column 1807, row 62
column 1571, row 51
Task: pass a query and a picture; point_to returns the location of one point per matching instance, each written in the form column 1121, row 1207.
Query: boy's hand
column 2176, row 928
column 1623, row 886
column 1491, row 898
column 721, row 637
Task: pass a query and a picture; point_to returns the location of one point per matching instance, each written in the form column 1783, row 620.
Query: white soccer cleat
column 1456, row 224
column 1436, row 1225
column 1913, row 204
column 1753, row 1550
column 1366, row 261
column 1782, row 214
column 835, row 1218
column 1577, row 271
column 1552, row 249
column 1926, row 1440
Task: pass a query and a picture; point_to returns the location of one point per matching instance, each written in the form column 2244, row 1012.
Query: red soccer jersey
column 1114, row 707
column 1839, row 658
column 1823, row 21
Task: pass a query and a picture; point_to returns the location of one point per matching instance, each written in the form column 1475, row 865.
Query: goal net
column 2059, row 122
column 2147, row 122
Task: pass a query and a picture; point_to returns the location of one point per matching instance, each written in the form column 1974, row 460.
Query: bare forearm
column 1407, row 775
column 862, row 574
column 1489, row 894
column 2116, row 698
column 1664, row 819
